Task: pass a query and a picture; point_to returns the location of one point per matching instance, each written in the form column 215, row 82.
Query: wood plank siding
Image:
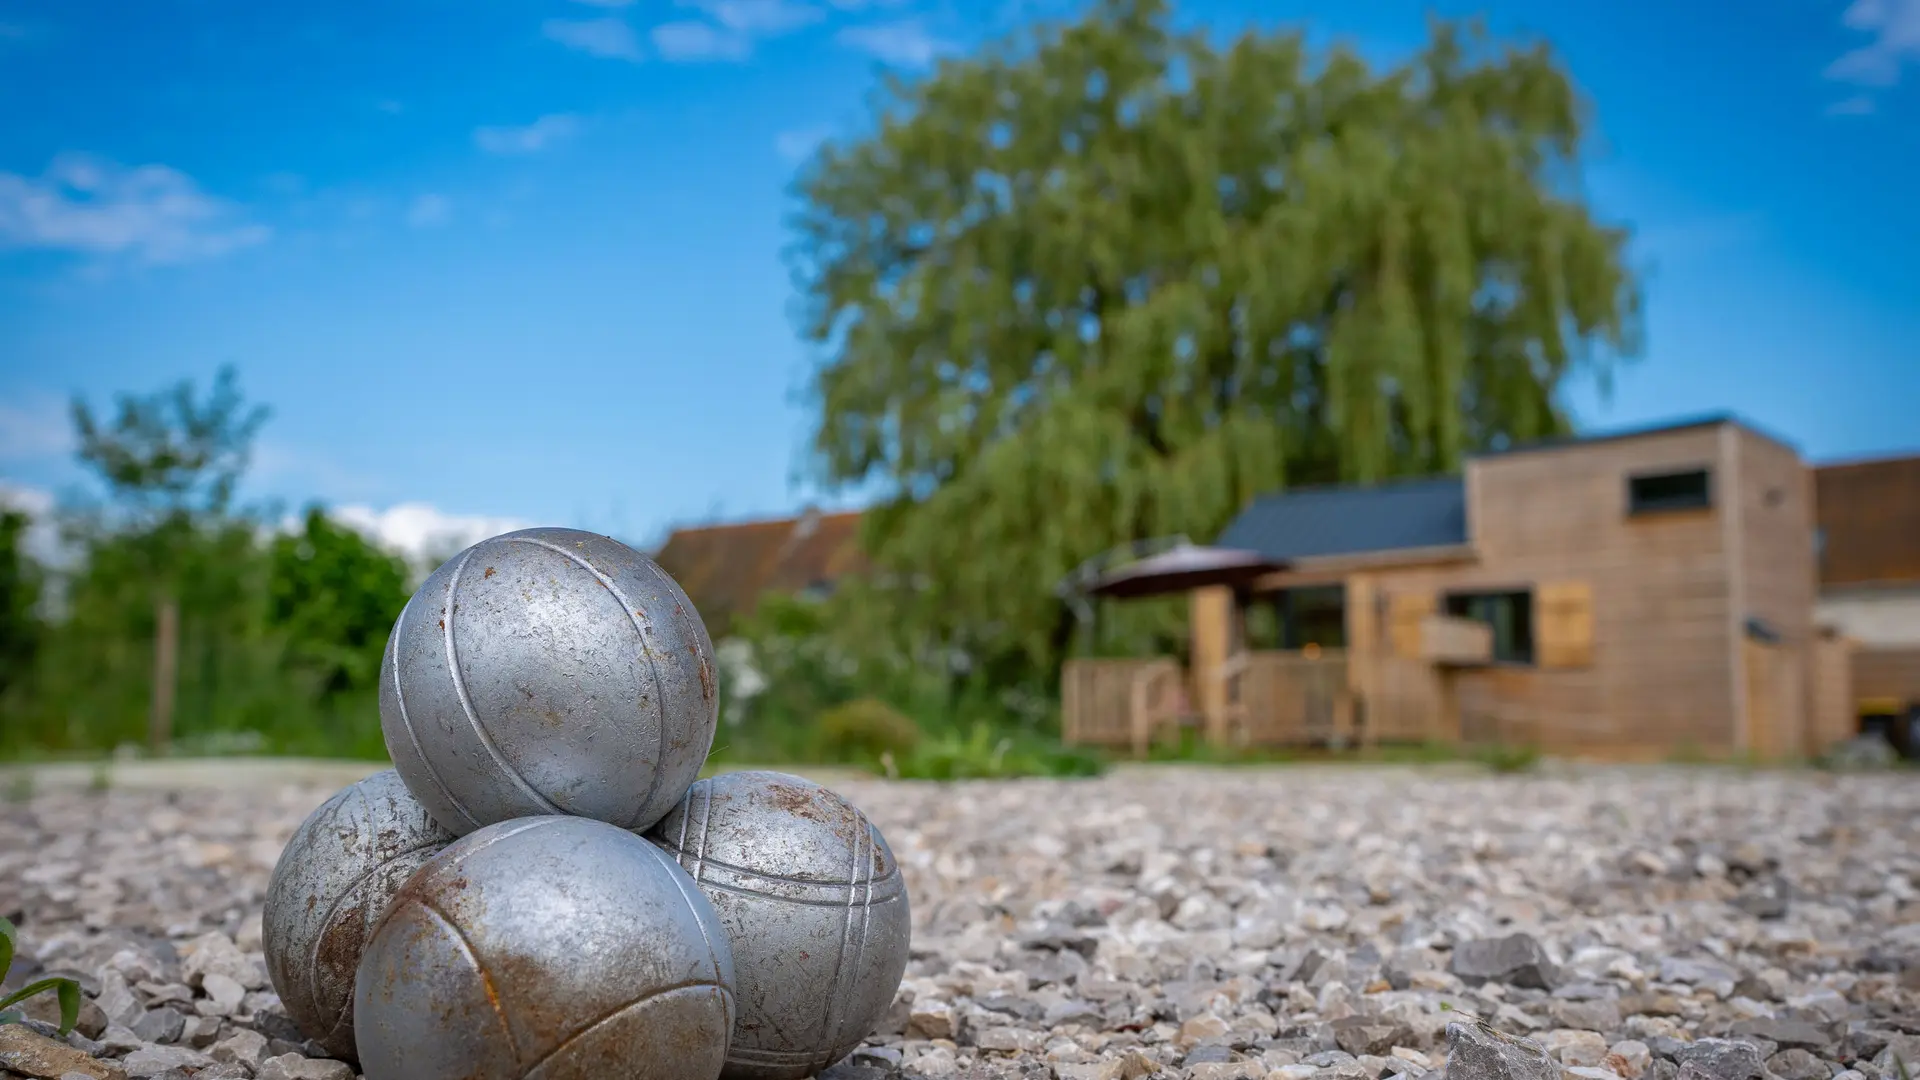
column 1632, row 614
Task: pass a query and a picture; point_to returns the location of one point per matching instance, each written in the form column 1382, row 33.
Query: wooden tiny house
column 1628, row 596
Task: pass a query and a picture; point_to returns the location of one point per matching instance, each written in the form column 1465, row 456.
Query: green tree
column 170, row 453
column 165, row 559
column 335, row 597
column 1109, row 281
column 20, row 621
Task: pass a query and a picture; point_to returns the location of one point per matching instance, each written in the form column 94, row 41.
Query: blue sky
column 520, row 260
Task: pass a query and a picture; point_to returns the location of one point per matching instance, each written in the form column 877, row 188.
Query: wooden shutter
column 1405, row 611
column 1563, row 624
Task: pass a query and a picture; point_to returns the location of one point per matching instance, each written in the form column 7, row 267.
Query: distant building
column 726, row 569
column 1869, row 558
column 1638, row 594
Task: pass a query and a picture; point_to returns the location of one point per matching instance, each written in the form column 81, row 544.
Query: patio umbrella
column 1179, row 569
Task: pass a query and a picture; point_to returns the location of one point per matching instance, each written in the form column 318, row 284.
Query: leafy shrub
column 1507, row 758
column 984, row 753
column 66, row 990
column 864, row 729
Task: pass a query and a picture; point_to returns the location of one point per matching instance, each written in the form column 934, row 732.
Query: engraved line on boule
column 653, row 666
column 466, row 705
column 480, row 969
column 691, row 621
column 367, row 926
column 703, row 860
column 713, row 958
column 860, row 940
column 834, row 1018
column 825, row 902
column 525, row 825
column 706, row 822
column 686, row 816
column 616, row 1011
column 406, row 724
column 747, row 1055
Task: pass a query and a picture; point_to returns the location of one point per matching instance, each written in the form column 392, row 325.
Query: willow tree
column 1108, row 280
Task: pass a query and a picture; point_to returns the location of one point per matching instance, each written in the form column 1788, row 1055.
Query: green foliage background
column 280, row 633
column 1100, row 282
column 1107, row 281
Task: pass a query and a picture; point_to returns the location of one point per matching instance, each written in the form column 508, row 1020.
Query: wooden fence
column 1272, row 699
column 1121, row 703
column 1279, row 699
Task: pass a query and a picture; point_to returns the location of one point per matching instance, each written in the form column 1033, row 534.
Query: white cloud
column 34, row 431
column 759, row 17
column 421, row 531
column 42, row 540
column 799, row 145
column 1895, row 29
column 609, row 38
column 33, row 501
column 527, row 139
column 149, row 213
column 429, row 211
column 905, row 43
column 688, row 40
column 734, row 27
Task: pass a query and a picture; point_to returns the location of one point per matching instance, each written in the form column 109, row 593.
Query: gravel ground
column 1276, row 923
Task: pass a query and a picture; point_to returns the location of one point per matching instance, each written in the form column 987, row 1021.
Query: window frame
column 1525, row 650
column 1639, row 504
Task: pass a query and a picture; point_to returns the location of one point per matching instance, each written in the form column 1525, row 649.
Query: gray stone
column 243, row 1047
column 1363, row 1035
column 160, row 1026
column 1517, row 959
column 1796, row 1064
column 1599, row 1015
column 1476, row 1052
column 1722, row 1059
column 149, row 1061
column 1789, row 1034
column 295, row 1067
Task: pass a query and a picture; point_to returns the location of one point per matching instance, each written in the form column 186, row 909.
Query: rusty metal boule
column 548, row 671
column 549, row 948
column 814, row 905
column 329, row 888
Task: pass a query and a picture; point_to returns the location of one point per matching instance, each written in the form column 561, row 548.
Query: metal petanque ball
column 329, row 889
column 548, row 671
column 814, row 905
column 550, row 948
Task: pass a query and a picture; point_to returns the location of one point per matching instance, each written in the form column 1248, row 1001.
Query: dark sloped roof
column 1314, row 522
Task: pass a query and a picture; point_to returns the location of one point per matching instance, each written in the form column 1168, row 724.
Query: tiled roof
column 1352, row 520
column 726, row 569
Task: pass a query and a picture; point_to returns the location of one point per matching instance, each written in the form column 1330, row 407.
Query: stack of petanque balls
column 542, row 889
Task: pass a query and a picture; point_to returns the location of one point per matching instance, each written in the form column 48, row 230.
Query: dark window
column 1510, row 614
column 1654, row 493
column 1315, row 615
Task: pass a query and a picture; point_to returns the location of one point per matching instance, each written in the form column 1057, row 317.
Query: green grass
column 983, row 753
column 66, row 990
